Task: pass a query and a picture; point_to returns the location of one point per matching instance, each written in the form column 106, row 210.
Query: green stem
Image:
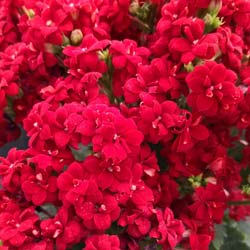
column 143, row 25
column 238, row 203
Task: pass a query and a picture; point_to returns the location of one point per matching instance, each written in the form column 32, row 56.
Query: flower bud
column 134, row 7
column 214, row 7
column 29, row 12
column 76, row 36
column 212, row 22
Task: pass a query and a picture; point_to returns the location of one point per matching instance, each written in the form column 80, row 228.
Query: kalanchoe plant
column 138, row 118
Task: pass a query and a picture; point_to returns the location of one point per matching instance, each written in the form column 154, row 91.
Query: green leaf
column 115, row 229
column 81, row 153
column 235, row 245
column 231, row 235
column 244, row 227
column 219, row 237
column 46, row 211
column 234, row 239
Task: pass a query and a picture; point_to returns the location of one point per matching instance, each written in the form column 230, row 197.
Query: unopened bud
column 29, row 12
column 214, row 7
column 134, row 7
column 103, row 55
column 195, row 181
column 189, row 67
column 65, row 41
column 76, row 37
column 212, row 22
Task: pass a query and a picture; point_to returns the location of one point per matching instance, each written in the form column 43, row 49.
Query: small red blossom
column 98, row 210
column 102, row 241
column 158, row 119
column 138, row 224
column 213, row 89
column 168, row 231
column 39, row 185
column 16, row 227
column 64, row 228
column 85, row 59
column 208, row 206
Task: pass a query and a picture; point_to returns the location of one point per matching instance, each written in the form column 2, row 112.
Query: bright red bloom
column 168, row 230
column 168, row 191
column 10, row 170
column 113, row 135
column 137, row 110
column 69, row 179
column 97, row 209
column 85, row 59
column 126, row 57
column 237, row 11
column 138, row 223
column 195, row 43
column 209, row 203
column 213, row 89
column 51, row 23
column 108, row 173
column 231, row 46
column 16, row 227
column 102, row 242
column 157, row 79
column 158, row 119
column 192, row 132
column 65, row 229
column 70, row 89
column 200, row 241
column 39, row 185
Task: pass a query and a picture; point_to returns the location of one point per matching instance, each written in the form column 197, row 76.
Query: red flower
column 102, row 242
column 69, row 179
column 51, row 23
column 231, row 46
column 97, row 209
column 39, row 185
column 157, row 79
column 138, row 224
column 213, row 89
column 64, row 228
column 158, row 119
column 10, row 170
column 168, row 191
column 16, row 227
column 194, row 44
column 168, row 230
column 84, row 58
column 108, row 173
column 200, row 241
column 209, row 203
column 192, row 132
column 111, row 134
column 126, row 57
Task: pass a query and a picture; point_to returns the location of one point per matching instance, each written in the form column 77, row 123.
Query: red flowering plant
column 138, row 123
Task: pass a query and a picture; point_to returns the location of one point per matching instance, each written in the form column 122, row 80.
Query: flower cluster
column 138, row 117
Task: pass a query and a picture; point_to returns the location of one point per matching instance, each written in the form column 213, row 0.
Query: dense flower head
column 137, row 115
column 213, row 89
